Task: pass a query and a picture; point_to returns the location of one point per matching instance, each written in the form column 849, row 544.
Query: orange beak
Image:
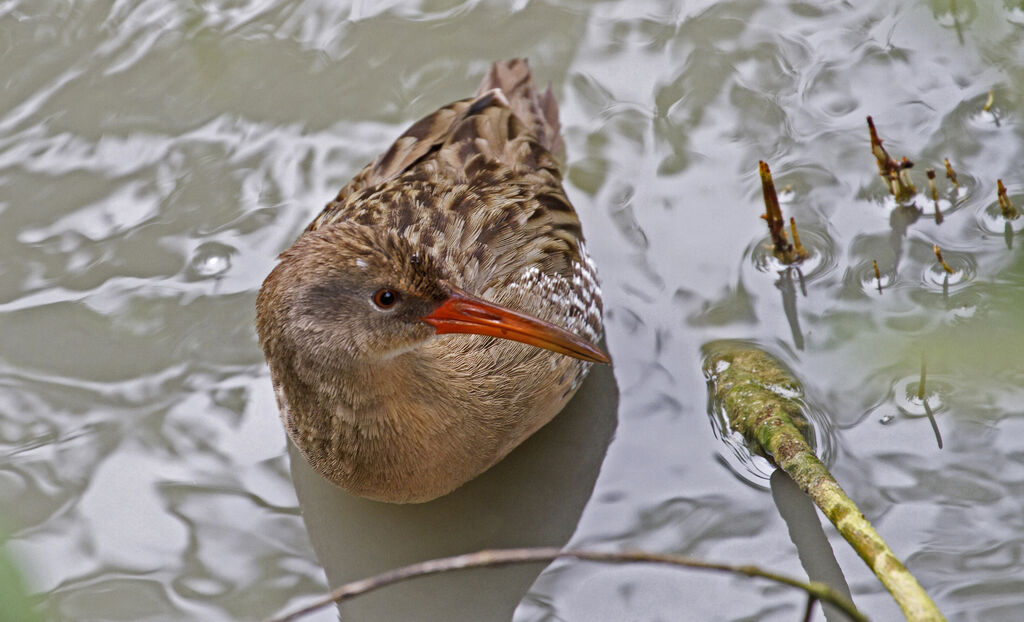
column 464, row 313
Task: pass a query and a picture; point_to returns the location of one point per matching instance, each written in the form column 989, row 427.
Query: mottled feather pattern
column 474, row 192
column 502, row 218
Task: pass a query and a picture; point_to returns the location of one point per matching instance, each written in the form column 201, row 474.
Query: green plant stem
column 760, row 399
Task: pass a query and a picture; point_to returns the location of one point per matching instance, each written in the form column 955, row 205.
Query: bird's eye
column 385, row 298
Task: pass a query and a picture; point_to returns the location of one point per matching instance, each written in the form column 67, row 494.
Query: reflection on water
column 156, row 156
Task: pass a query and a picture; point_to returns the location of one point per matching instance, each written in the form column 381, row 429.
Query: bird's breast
column 441, row 416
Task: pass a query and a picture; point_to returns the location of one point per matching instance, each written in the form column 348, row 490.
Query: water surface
column 155, row 156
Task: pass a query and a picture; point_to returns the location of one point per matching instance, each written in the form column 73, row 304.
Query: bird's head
column 351, row 294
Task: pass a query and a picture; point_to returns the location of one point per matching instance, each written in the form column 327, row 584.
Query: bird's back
column 477, row 184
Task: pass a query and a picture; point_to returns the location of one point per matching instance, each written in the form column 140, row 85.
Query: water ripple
column 155, row 157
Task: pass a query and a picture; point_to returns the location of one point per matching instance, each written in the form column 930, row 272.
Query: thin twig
column 988, row 106
column 784, row 251
column 798, row 249
column 942, row 262
column 773, row 214
column 896, row 175
column 935, row 424
column 950, row 173
column 924, row 400
column 1005, row 205
column 930, row 172
column 502, row 557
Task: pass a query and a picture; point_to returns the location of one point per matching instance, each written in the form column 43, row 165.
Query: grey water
column 155, row 156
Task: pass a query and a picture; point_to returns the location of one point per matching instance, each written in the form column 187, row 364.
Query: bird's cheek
column 416, row 331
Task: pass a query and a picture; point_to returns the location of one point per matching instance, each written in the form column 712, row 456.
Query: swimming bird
column 442, row 308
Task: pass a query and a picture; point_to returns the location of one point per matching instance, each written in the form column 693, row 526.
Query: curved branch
column 502, row 557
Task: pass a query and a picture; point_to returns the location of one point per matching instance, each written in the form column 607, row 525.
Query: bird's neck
column 383, row 429
column 373, row 386
column 415, row 426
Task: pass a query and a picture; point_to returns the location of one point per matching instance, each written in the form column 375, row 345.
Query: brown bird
column 461, row 226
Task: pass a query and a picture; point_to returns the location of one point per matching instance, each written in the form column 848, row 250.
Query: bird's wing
column 508, row 123
column 421, row 140
column 475, row 183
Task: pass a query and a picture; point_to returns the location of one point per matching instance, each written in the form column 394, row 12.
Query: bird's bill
column 465, row 313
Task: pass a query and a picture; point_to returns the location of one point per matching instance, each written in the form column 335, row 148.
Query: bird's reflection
column 534, row 497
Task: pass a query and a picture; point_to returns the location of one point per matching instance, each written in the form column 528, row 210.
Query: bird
column 442, row 307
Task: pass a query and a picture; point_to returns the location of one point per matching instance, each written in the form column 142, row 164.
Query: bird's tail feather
column 539, row 111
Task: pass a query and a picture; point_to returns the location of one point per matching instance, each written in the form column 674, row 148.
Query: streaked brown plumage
column 467, row 206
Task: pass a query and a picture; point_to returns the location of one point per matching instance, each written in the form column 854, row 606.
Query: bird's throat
column 390, row 430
